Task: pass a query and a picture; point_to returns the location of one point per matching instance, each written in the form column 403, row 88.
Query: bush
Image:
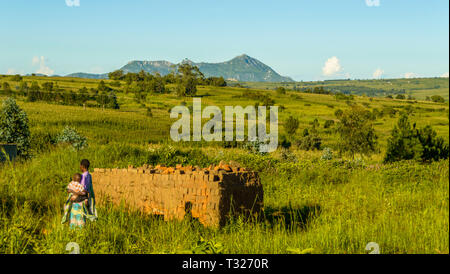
column 72, row 137
column 327, row 154
column 309, row 141
column 291, row 125
column 328, row 123
column 14, row 127
column 409, row 143
column 437, row 99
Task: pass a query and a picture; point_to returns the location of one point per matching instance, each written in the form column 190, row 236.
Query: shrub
column 327, row 154
column 328, row 123
column 72, row 137
column 14, row 127
column 310, row 140
column 437, row 99
column 409, row 143
column 291, row 125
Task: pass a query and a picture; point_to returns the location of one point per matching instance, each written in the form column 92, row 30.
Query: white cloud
column 373, row 3
column 331, row 67
column 73, row 3
column 409, row 75
column 445, row 75
column 378, row 73
column 12, row 71
column 43, row 68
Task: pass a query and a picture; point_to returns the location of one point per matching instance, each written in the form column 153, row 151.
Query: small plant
column 72, row 137
column 207, row 247
column 327, row 154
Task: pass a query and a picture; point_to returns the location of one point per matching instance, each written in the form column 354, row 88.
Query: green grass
column 339, row 205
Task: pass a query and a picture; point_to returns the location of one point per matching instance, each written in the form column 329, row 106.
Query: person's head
column 84, row 165
column 76, row 177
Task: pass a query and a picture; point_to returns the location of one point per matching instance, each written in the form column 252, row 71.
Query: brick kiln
column 210, row 194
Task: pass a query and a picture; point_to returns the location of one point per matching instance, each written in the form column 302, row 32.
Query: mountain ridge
column 241, row 68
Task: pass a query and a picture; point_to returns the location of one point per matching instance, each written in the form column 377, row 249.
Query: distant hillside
column 88, row 75
column 241, row 68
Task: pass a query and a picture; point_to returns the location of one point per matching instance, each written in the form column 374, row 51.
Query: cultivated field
column 311, row 205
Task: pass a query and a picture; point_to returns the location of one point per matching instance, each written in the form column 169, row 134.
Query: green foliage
column 291, row 125
column 327, row 154
column 409, row 143
column 6, row 86
column 281, row 90
column 14, row 127
column 72, row 137
column 16, row 78
column 309, row 141
column 187, row 86
column 328, row 123
column 207, row 247
column 437, row 99
column 356, row 132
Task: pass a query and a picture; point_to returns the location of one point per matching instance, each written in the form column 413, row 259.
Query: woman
column 76, row 210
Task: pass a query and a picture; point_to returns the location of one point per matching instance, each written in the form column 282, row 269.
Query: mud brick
column 145, row 189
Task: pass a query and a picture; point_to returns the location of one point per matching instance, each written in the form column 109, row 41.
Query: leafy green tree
column 408, row 143
column 403, row 143
column 14, row 127
column 356, row 132
column 102, row 86
column 6, row 86
column 437, row 99
column 116, row 75
column 291, row 125
column 187, row 87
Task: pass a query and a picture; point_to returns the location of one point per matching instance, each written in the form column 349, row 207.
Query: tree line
column 103, row 96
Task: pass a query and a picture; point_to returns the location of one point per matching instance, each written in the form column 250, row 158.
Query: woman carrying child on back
column 81, row 201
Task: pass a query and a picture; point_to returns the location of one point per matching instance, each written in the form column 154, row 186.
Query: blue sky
column 304, row 39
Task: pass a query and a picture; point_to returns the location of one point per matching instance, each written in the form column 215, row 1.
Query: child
column 76, row 188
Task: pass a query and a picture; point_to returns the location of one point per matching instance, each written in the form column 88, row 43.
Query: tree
column 14, row 127
column 400, row 97
column 409, row 143
column 187, row 70
column 6, row 86
column 187, row 87
column 102, row 86
column 116, row 75
column 437, row 99
column 291, row 125
column 356, row 132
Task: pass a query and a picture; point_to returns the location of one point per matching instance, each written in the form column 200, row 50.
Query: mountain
column 241, row 68
column 88, row 75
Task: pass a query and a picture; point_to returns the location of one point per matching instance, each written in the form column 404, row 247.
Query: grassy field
column 418, row 88
column 334, row 206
